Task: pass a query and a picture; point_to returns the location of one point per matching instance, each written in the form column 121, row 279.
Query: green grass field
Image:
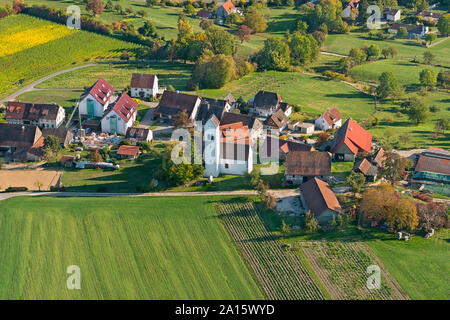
column 28, row 61
column 126, row 248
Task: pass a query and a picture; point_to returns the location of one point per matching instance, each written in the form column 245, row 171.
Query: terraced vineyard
column 342, row 268
column 281, row 273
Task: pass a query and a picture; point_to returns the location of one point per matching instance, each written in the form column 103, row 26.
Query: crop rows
column 342, row 267
column 281, row 273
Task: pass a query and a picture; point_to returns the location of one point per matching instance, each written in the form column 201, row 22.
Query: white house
column 414, row 31
column 266, row 103
column 138, row 134
column 307, row 128
column 391, row 15
column 144, row 85
column 120, row 115
column 42, row 115
column 330, row 119
column 96, row 99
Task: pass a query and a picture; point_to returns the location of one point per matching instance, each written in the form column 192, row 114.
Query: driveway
column 288, row 201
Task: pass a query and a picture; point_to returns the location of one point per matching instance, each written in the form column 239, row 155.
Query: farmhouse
column 95, row 100
column 285, row 146
column 391, row 15
column 351, row 10
column 204, row 14
column 277, row 121
column 432, row 171
column 174, row 102
column 120, row 115
column 350, row 139
column 22, row 142
column 301, row 166
column 138, row 134
column 266, row 103
column 254, row 125
column 128, row 152
column 369, row 170
column 67, row 161
column 42, row 115
column 330, row 119
column 209, row 107
column 414, row 31
column 429, row 16
column 144, row 85
column 225, row 10
column 379, row 157
column 317, row 196
column 231, row 100
column 64, row 136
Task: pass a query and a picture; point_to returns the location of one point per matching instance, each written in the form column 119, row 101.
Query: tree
column 109, row 5
column 442, row 125
column 244, row 33
column 18, row 6
column 402, row 32
column 428, row 78
column 94, row 156
column 344, row 65
column 180, row 174
column 430, row 37
column 118, row 8
column 181, row 120
column 129, row 10
column 388, row 85
column 142, row 13
column 214, row 71
column 431, row 215
column 151, row 3
column 124, row 55
column 148, row 29
column 220, row 42
column 311, row 223
column 319, row 36
column 362, row 13
column 285, row 229
column 254, row 20
column 254, row 177
column 51, row 148
column 275, row 55
column 428, row 57
column 302, row 27
column 357, row 55
column 96, row 6
column 444, row 24
column 389, row 52
column 356, row 181
column 38, row 184
column 403, row 214
column 373, row 51
column 394, row 167
column 185, row 30
column 262, row 189
column 189, row 9
column 443, row 78
column 303, row 49
column 418, row 113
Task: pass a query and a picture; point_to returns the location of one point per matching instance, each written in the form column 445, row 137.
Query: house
column 429, row 16
column 379, row 157
column 307, row 128
column 211, row 106
column 22, row 142
column 320, row 200
column 330, row 119
column 414, row 31
column 67, row 161
column 369, row 170
column 144, row 85
column 432, row 171
column 64, row 136
column 231, row 100
column 138, row 134
column 128, row 152
column 120, row 115
column 225, row 10
column 277, row 121
column 204, row 14
column 173, row 102
column 301, row 166
column 254, row 125
column 228, row 148
column 265, row 103
column 391, row 15
column 350, row 139
column 351, row 9
column 41, row 115
column 284, row 147
column 96, row 99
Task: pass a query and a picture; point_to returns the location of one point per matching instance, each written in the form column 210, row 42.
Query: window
column 226, row 165
column 212, row 138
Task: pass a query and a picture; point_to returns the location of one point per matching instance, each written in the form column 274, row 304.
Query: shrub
column 16, row 189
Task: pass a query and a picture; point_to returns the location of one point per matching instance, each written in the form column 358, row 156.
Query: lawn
column 48, row 47
column 119, row 75
column 126, row 248
column 421, row 266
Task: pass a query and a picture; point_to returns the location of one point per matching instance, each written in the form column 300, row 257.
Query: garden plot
column 342, row 267
column 31, row 179
column 281, row 273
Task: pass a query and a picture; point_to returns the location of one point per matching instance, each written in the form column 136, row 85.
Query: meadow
column 50, row 51
column 126, row 248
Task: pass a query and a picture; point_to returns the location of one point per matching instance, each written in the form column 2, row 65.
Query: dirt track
column 29, row 178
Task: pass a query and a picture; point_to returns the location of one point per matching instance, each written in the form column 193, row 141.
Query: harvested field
column 281, row 273
column 29, row 179
column 342, row 268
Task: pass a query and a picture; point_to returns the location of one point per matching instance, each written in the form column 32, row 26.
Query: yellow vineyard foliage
column 19, row 41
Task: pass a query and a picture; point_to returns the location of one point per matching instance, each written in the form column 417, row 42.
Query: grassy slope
column 127, row 248
column 420, row 266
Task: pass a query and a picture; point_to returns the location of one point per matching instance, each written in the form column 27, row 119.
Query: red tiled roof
column 228, row 6
column 319, row 197
column 125, row 107
column 332, row 116
column 31, row 111
column 125, row 150
column 101, row 91
column 142, row 80
column 308, row 163
column 433, row 162
column 67, row 158
column 380, row 157
column 353, row 136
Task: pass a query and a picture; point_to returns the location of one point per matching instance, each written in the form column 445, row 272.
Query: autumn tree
column 51, row 148
column 311, row 223
column 181, row 120
column 94, row 156
column 96, row 6
column 219, row 41
column 428, row 78
column 275, row 55
column 255, row 20
column 148, row 29
column 214, row 71
column 357, row 55
column 444, row 24
column 388, row 85
column 18, row 6
column 428, row 57
column 356, row 181
column 394, row 167
column 418, row 113
column 244, row 33
column 303, row 49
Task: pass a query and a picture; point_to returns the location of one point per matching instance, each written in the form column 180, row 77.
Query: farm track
column 342, row 268
column 281, row 273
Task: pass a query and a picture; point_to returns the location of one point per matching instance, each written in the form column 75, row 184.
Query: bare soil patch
column 29, row 178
